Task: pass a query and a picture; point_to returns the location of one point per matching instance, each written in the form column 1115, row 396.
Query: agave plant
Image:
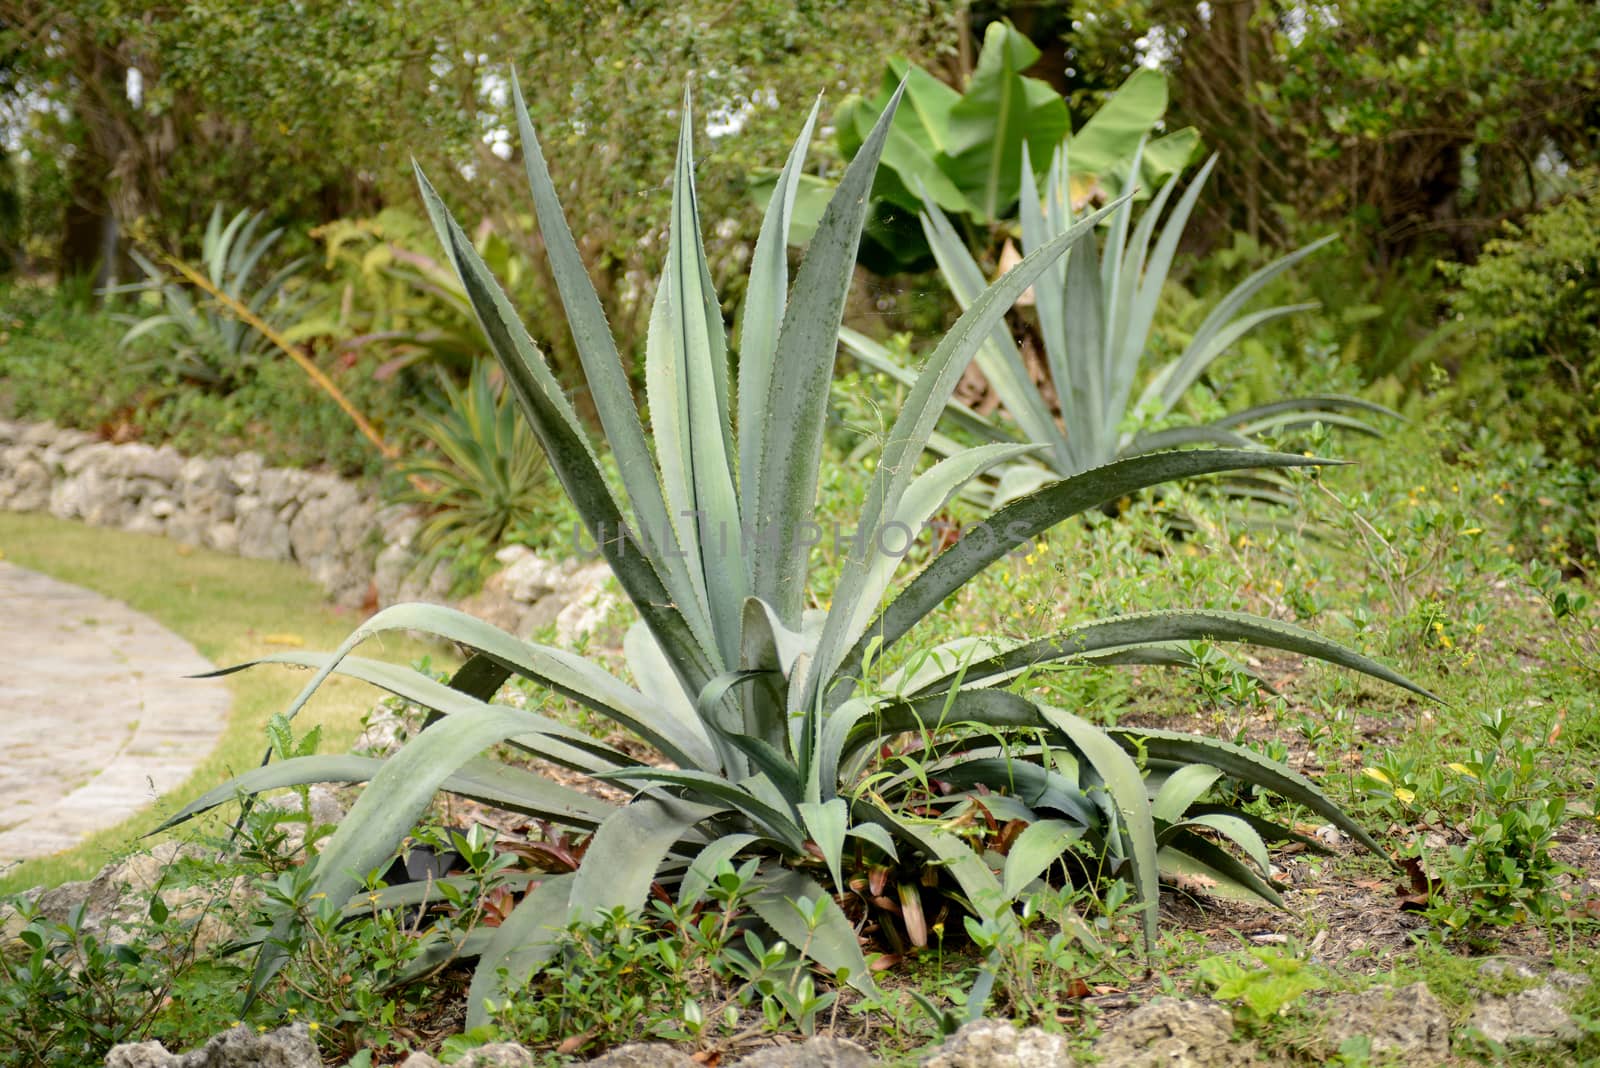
column 1096, row 308
column 212, row 345
column 487, row 476
column 768, row 735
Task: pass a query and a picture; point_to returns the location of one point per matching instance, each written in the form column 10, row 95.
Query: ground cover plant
column 772, row 733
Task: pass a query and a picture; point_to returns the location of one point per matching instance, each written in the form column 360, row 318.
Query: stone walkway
column 96, row 717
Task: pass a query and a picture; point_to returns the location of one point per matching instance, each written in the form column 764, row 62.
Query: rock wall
column 335, row 529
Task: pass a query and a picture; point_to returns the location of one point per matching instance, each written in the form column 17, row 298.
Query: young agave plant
column 1095, row 312
column 209, row 344
column 763, row 729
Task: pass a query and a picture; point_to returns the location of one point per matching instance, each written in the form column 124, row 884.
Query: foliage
column 769, row 742
column 313, row 113
column 1263, row 981
column 966, row 150
column 70, row 992
column 1533, row 297
column 688, row 970
column 1505, row 872
column 207, row 344
column 1095, row 316
column 391, row 295
column 1425, row 127
column 487, row 478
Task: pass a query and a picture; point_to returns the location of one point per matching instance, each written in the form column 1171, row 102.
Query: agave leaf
column 773, row 821
column 566, row 673
column 572, row 459
column 420, row 689
column 1179, row 436
column 1239, row 832
column 1143, row 628
column 832, row 944
column 1222, row 874
column 909, row 436
column 1125, row 787
column 803, row 365
column 703, row 870
column 1244, row 765
column 687, row 371
column 1183, row 788
column 395, row 798
column 605, row 375
column 1033, row 785
column 861, row 587
column 624, row 854
column 1023, row 520
column 1315, row 402
column 873, row 833
column 1206, row 342
column 523, row 942
column 879, row 359
column 826, row 822
column 985, row 896
column 766, row 297
column 997, row 357
column 1038, row 846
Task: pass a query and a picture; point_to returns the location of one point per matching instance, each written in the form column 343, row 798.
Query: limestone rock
column 1539, row 1016
column 819, row 1052
column 1408, row 1025
column 998, row 1044
column 420, row 1060
column 1185, row 1034
column 287, row 1047
column 497, row 1055
column 644, row 1055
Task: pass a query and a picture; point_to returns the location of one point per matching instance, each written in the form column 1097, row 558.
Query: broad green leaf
column 827, row 822
column 1034, row 850
column 1000, row 112
column 524, row 942
column 832, row 944
column 623, row 856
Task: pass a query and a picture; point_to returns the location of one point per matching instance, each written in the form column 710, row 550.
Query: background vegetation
column 1450, row 154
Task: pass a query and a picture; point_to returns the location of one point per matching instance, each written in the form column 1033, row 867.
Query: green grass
column 226, row 607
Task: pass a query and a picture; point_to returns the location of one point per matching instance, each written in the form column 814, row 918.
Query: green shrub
column 1533, row 297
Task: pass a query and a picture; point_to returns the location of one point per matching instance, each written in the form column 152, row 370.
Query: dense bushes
column 1533, row 298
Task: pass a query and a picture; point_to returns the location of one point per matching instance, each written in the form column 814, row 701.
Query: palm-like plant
column 1096, row 308
column 768, row 739
column 487, row 477
column 213, row 345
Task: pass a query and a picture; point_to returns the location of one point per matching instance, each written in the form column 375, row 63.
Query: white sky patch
column 135, row 87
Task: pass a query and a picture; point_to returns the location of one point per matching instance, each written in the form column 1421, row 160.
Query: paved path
column 96, row 718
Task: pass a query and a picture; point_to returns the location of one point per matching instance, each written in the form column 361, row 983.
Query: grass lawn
column 226, row 607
